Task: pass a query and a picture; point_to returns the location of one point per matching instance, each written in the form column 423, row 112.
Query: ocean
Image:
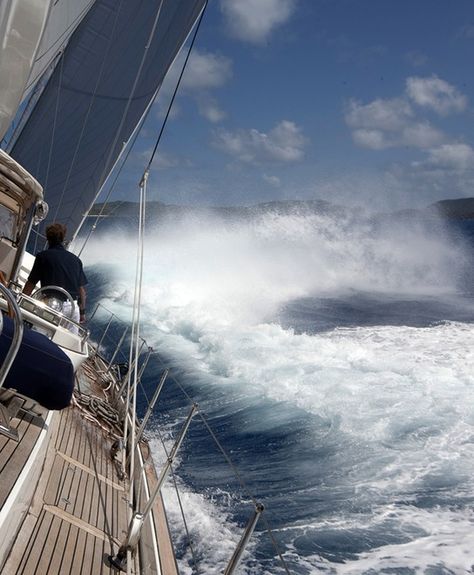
column 333, row 359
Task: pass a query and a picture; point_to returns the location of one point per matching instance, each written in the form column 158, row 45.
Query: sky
column 361, row 102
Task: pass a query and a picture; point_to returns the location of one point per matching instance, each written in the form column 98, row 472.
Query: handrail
column 17, row 333
column 252, row 523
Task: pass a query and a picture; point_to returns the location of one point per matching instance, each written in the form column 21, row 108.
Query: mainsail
column 109, row 73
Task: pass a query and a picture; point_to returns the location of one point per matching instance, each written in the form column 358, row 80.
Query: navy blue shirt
column 58, row 267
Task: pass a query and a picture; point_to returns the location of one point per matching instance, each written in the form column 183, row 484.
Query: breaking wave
column 359, row 439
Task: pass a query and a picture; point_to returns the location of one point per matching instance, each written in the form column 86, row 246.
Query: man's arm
column 82, row 303
column 29, row 287
column 34, row 277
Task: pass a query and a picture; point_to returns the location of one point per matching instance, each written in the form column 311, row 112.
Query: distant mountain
column 156, row 210
column 460, row 209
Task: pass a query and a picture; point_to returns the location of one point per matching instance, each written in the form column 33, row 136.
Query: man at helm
column 56, row 266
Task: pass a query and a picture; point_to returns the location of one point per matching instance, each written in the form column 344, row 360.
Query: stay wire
column 180, row 503
column 233, row 467
column 157, row 143
column 229, row 462
column 134, row 138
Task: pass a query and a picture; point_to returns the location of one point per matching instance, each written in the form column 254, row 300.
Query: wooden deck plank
column 79, row 566
column 89, row 555
column 5, row 442
column 80, row 450
column 77, row 518
column 56, row 477
column 65, row 430
column 17, row 454
column 70, row 559
column 21, row 425
column 35, row 555
column 61, row 552
column 19, row 564
column 166, row 551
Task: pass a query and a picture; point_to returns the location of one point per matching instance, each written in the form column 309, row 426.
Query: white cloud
column 420, row 135
column 373, row 139
column 384, row 115
column 164, row 161
column 206, row 71
column 385, row 124
column 436, row 94
column 284, row 143
column 210, row 109
column 254, row 20
column 456, row 156
column 273, row 180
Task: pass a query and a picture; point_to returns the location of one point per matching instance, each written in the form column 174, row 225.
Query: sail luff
column 63, row 19
column 114, row 112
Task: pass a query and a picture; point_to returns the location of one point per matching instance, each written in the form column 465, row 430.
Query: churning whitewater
column 334, row 360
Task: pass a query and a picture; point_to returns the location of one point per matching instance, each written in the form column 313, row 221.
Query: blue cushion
column 41, row 370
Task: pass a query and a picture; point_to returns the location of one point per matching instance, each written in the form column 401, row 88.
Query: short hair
column 55, row 233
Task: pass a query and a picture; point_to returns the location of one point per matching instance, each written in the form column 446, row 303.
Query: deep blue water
column 348, row 412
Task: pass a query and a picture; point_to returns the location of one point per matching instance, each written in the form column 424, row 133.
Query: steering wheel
column 61, row 290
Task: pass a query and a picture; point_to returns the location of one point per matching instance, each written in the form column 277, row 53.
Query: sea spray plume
column 366, row 432
column 241, row 270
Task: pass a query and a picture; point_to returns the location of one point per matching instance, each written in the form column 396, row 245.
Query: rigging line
column 181, row 508
column 102, row 209
column 137, row 131
column 138, row 287
column 72, row 25
column 275, row 545
column 196, row 30
column 89, row 109
column 130, row 356
column 232, row 466
column 50, row 151
column 130, row 147
column 102, row 178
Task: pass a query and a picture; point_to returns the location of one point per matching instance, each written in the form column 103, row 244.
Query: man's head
column 55, row 234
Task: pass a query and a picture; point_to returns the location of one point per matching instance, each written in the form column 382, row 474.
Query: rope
column 233, row 467
column 38, row 57
column 224, row 453
column 138, row 294
column 181, row 508
column 50, row 151
column 100, row 407
column 129, row 101
column 139, row 126
column 196, row 30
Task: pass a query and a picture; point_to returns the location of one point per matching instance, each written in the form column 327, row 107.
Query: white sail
column 21, row 26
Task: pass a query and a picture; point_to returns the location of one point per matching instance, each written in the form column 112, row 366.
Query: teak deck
column 78, row 515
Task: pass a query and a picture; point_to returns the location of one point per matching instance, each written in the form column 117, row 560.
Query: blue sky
column 354, row 101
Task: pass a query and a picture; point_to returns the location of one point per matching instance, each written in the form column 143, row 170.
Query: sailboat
column 79, row 491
